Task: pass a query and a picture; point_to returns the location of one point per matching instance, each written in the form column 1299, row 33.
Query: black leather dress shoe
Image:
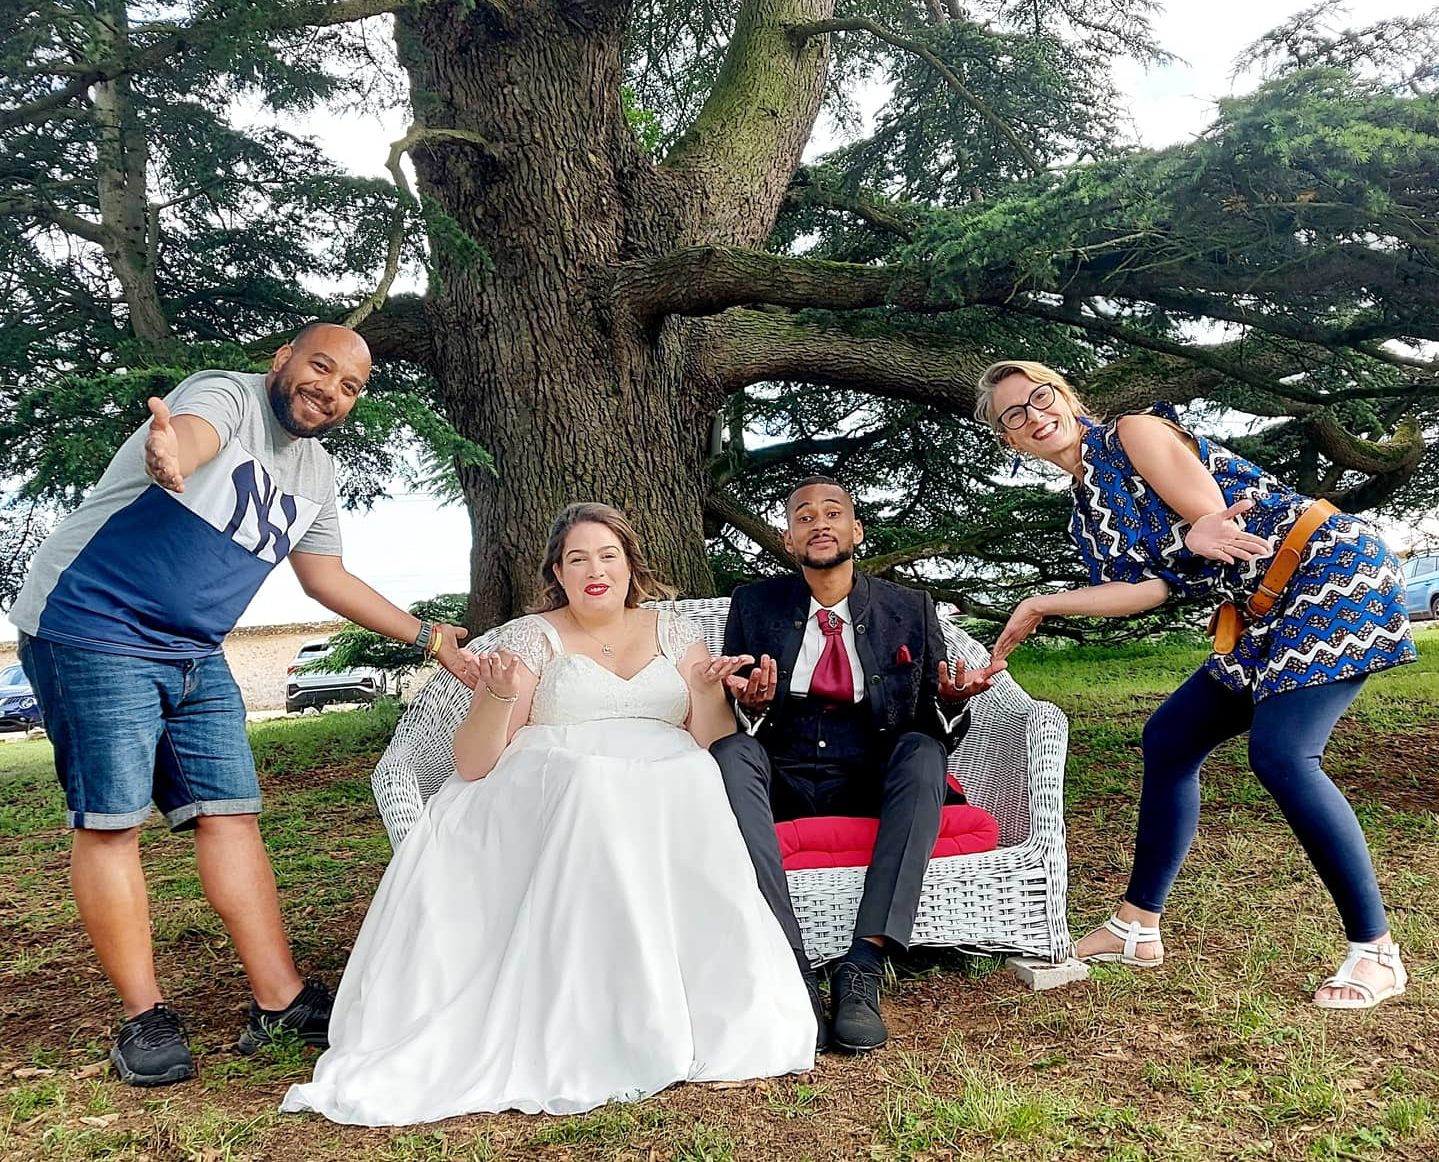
column 857, row 1025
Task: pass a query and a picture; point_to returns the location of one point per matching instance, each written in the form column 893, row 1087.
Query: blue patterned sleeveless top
column 1341, row 615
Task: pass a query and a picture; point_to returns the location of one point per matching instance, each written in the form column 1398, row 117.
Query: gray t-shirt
column 143, row 571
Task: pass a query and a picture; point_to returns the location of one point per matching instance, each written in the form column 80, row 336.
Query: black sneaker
column 857, row 1025
column 821, row 1036
column 150, row 1049
column 307, row 1017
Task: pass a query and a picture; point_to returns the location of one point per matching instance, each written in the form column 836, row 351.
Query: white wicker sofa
column 1011, row 763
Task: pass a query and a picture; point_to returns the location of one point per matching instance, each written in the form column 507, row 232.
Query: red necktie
column 833, row 678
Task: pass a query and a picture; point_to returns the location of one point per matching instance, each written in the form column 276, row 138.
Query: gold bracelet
column 437, row 640
column 497, row 698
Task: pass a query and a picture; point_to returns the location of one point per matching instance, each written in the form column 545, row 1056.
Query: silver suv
column 319, row 688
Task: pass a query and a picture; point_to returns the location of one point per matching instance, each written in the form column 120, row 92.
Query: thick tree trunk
column 574, row 397
column 122, row 160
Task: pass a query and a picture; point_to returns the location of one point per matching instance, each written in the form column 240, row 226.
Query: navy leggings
column 1287, row 736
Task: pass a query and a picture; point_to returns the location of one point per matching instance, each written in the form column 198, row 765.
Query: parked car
column 18, row 708
column 319, row 688
column 1421, row 583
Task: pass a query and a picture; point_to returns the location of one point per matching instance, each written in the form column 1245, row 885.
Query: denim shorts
column 129, row 732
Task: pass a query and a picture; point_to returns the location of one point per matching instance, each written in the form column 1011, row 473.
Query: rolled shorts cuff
column 100, row 821
column 183, row 817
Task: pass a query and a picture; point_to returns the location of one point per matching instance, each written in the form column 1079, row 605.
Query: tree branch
column 1162, row 274
column 1239, row 310
column 722, row 506
column 175, row 38
column 405, row 203
column 921, row 551
column 803, row 32
column 738, row 155
column 741, row 347
column 287, row 18
column 399, row 330
column 704, row 280
column 1400, row 453
column 1265, row 373
column 734, row 463
column 808, row 188
column 746, row 347
column 70, row 223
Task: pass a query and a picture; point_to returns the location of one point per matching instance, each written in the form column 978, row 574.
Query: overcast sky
column 408, row 547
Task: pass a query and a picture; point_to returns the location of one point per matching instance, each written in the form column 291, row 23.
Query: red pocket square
column 902, row 656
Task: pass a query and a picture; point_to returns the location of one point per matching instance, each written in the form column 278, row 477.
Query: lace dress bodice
column 574, row 688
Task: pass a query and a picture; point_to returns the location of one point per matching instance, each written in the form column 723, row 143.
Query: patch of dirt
column 1400, row 771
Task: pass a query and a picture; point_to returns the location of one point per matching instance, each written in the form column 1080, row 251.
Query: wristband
column 422, row 639
column 437, row 641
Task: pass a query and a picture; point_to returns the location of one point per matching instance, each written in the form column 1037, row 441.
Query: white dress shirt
column 812, row 646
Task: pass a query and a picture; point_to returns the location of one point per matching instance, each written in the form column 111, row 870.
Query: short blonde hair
column 644, row 585
column 1036, row 373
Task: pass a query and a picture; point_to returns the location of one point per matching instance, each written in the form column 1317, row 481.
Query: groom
column 854, row 712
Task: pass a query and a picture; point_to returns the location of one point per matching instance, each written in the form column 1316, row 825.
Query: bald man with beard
column 121, row 622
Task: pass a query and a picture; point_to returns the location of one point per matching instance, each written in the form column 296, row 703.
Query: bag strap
column 1286, row 561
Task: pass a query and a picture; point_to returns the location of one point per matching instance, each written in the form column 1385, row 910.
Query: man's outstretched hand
column 966, row 683
column 162, row 448
column 756, row 692
column 718, row 670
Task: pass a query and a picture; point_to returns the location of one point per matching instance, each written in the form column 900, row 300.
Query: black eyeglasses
column 1040, row 398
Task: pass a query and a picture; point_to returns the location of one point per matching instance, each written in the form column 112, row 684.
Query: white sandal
column 1384, row 954
column 1133, row 933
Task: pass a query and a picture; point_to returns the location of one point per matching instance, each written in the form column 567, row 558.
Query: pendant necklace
column 608, row 651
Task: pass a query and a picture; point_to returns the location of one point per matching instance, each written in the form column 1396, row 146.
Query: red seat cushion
column 841, row 841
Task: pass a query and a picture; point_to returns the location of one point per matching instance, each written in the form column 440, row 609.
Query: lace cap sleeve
column 526, row 638
column 679, row 633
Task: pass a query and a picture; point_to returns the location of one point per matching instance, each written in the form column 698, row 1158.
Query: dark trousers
column 1287, row 736
column 904, row 790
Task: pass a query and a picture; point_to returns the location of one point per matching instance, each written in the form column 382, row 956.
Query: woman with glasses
column 1158, row 510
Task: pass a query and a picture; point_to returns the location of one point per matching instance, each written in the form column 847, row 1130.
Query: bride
column 574, row 919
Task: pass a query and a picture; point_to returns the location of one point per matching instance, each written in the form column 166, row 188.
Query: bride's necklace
column 608, row 651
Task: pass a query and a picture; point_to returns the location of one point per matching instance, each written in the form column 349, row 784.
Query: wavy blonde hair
column 1036, row 373
column 644, row 585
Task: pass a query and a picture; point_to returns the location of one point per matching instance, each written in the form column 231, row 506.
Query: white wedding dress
column 581, row 926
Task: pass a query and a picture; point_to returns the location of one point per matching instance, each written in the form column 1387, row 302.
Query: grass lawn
column 1217, row 1055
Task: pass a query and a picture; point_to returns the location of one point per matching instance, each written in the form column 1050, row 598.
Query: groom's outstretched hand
column 966, row 683
column 720, row 669
column 756, row 692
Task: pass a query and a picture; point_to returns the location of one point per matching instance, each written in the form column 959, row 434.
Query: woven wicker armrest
column 420, row 757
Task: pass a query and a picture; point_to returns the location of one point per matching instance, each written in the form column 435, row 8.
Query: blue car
column 18, row 708
column 1421, row 584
